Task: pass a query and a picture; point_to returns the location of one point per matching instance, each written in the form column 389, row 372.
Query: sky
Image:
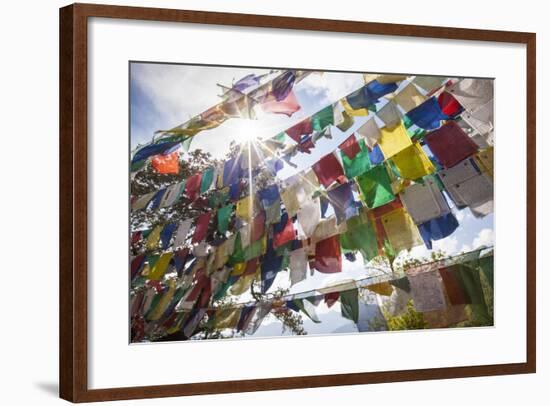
column 163, row 96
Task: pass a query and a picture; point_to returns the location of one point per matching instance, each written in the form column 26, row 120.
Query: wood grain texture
column 73, row 363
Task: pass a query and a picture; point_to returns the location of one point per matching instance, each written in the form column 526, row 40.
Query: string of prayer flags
column 375, row 186
column 428, row 115
column 328, row 170
column 328, row 256
column 166, row 164
column 450, row 144
column 154, row 149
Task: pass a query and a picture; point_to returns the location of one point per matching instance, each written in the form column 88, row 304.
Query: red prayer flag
column 450, row 144
column 328, row 170
column 251, row 267
column 453, row 287
column 331, row 298
column 258, row 227
column 192, row 186
column 449, row 105
column 201, row 227
column 289, row 105
column 286, row 235
column 166, row 164
column 350, row 147
column 328, row 257
column 304, row 127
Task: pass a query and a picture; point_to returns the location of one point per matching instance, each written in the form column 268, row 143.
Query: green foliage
column 409, row 320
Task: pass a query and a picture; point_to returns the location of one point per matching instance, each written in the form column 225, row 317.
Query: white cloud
column 485, row 238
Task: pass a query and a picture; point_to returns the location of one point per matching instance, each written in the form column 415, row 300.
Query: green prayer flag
column 207, row 178
column 359, row 164
column 224, row 215
column 375, row 186
column 238, row 252
column 254, row 250
column 360, row 236
column 308, row 309
column 349, row 304
column 471, row 281
column 322, row 119
column 486, row 266
column 218, row 198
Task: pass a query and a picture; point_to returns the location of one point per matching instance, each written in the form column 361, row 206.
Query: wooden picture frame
column 73, row 199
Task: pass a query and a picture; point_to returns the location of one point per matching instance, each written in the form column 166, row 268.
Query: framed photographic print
column 357, row 197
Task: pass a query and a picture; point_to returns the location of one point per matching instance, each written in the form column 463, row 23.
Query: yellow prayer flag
column 227, row 317
column 401, row 230
column 238, row 269
column 242, row 284
column 393, row 140
column 244, row 208
column 382, row 288
column 158, row 270
column 163, row 303
column 485, row 160
column 413, row 163
column 351, row 111
column 153, row 238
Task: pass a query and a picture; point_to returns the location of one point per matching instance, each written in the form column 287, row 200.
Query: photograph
column 276, row 202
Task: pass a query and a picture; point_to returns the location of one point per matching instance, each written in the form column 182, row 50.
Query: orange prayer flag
column 166, row 164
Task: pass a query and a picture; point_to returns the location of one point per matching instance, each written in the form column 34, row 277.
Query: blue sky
column 163, row 96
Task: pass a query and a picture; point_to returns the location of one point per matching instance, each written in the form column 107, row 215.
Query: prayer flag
column 287, row 106
column 201, row 227
column 224, row 216
column 428, row 115
column 375, row 186
column 328, row 257
column 192, row 186
column 350, row 305
column 413, row 163
column 393, row 140
column 166, row 164
column 328, row 170
column 450, row 144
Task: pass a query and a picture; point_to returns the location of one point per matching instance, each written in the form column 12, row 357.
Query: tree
column 148, row 180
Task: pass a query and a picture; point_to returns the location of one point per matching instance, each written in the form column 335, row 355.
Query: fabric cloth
column 450, row 144
column 269, row 195
column 428, row 83
column 287, row 106
column 201, row 227
column 207, row 179
column 360, row 236
column 224, row 217
column 153, row 238
column 181, row 232
column 328, row 228
column 282, row 85
column 142, row 201
column 427, row 291
column 449, row 105
column 438, row 228
column 350, row 147
column 485, row 160
column 401, row 283
column 172, row 194
column 166, row 234
column 382, row 288
column 424, row 202
column 349, row 303
column 370, row 132
column 298, row 266
column 389, row 114
column 375, row 186
column 375, row 155
column 323, row 118
column 481, row 119
column 192, row 186
column 157, row 199
column 328, row 170
column 358, row 165
column 304, row 127
column 231, row 171
column 227, row 318
column 472, row 93
column 273, row 213
column 331, row 298
column 157, row 271
column 309, row 216
column 166, row 164
column 350, row 112
column 428, row 115
column 369, row 94
column 401, row 231
column 454, row 286
column 284, row 231
column 328, row 256
column 409, row 97
column 153, row 149
column 270, row 267
column 342, row 201
column 244, row 208
column 413, row 163
column 393, row 140
column 308, row 309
